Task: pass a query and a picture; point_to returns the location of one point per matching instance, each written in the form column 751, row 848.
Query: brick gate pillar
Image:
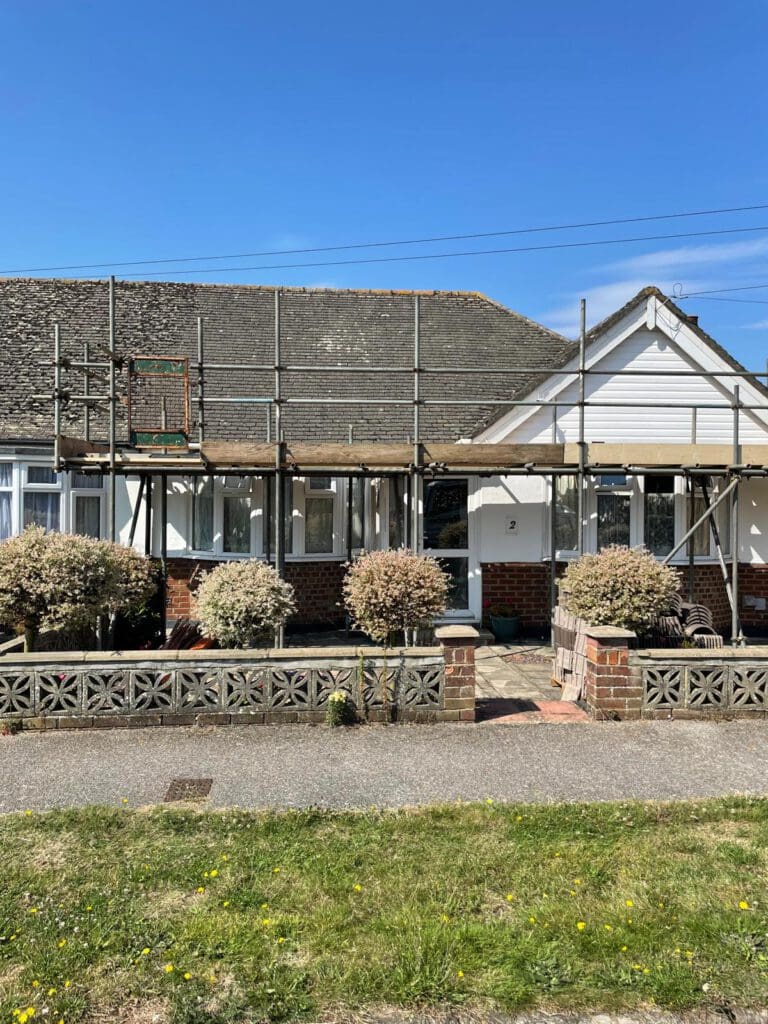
column 611, row 689
column 458, row 644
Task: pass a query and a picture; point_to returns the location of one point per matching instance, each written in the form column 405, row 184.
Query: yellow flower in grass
column 146, row 951
column 281, row 940
column 459, row 974
column 35, row 983
column 67, row 983
column 201, row 888
column 608, row 927
column 51, row 991
column 532, row 920
column 265, row 906
column 225, row 903
column 168, row 968
column 187, row 975
column 581, row 925
column 743, row 905
column 357, row 887
column 275, row 871
column 629, row 903
column 510, row 897
column 62, row 943
column 489, row 800
column 214, row 873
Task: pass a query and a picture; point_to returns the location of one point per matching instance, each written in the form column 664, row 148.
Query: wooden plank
column 667, row 455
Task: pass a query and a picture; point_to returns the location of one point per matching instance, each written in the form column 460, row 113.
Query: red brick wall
column 525, row 586
column 317, row 586
column 522, row 585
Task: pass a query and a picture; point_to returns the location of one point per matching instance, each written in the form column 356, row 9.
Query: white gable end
column 667, row 346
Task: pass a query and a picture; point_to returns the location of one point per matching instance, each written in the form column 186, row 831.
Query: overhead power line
column 382, row 244
column 719, row 291
column 454, row 255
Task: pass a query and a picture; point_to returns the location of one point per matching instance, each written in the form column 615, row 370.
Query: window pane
column 6, row 474
column 612, row 520
column 457, row 570
column 445, row 514
column 88, row 515
column 269, row 514
column 41, row 509
column 85, row 481
column 202, row 514
column 5, row 515
column 724, row 524
column 237, row 483
column 613, row 480
column 318, row 529
column 358, row 512
column 396, row 512
column 659, row 514
column 237, row 524
column 566, row 514
column 319, row 483
column 41, row 475
column 701, row 537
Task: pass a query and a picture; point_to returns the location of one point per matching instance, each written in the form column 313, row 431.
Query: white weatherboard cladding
column 670, row 422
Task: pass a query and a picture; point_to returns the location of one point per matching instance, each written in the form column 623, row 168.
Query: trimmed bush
column 387, row 592
column 241, row 604
column 620, row 586
column 60, row 581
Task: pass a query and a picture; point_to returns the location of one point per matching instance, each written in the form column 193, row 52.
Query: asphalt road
column 301, row 766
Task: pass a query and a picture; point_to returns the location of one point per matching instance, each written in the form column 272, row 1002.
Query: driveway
column 302, row 766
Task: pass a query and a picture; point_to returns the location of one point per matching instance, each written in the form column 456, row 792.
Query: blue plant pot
column 505, row 628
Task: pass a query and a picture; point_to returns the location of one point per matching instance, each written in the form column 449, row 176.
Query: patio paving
column 514, row 685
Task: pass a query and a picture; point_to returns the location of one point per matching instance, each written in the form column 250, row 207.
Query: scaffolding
column 165, row 450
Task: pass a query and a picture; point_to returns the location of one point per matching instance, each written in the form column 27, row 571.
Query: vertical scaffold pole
column 279, row 458
column 56, row 398
column 86, row 392
column 416, row 462
column 582, row 444
column 553, row 527
column 200, row 384
column 112, row 501
column 736, row 637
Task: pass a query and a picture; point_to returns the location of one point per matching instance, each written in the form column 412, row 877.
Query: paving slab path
column 302, row 766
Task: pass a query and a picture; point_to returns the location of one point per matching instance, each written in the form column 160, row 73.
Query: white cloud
column 691, row 256
column 760, row 325
column 602, row 300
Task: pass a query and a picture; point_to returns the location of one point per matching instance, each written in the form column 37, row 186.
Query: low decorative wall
column 108, row 690
column 722, row 682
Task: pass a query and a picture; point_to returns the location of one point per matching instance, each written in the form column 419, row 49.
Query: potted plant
column 505, row 622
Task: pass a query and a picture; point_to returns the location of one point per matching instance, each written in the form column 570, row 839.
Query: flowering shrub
column 241, row 604
column 388, row 591
column 60, row 581
column 339, row 710
column 618, row 587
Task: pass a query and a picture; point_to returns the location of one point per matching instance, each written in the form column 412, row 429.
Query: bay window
column 319, row 498
column 396, row 512
column 566, row 513
column 236, row 516
column 613, row 510
column 659, row 514
column 202, row 513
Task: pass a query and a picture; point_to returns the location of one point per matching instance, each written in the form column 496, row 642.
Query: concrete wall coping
column 468, row 633
column 246, row 655
column 609, row 633
column 757, row 653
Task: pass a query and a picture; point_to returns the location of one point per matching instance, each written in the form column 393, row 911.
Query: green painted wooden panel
column 167, row 367
column 159, row 438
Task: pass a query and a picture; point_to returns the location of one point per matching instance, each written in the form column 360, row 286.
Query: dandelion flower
column 532, row 920
column 488, row 800
column 67, row 983
column 51, row 991
column 214, row 873
column 168, row 968
column 125, row 800
column 265, row 906
column 629, row 903
column 201, row 888
column 281, row 940
column 275, row 871
column 225, row 903
column 33, row 910
column 581, row 925
column 62, row 943
column 187, row 975
column 145, row 951
column 743, row 905
column 624, row 949
column 459, row 974
column 577, row 881
column 510, row 897
column 27, row 813
column 608, row 927
column 35, row 983
column 357, row 887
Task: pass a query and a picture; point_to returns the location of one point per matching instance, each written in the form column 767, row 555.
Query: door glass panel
column 237, row 524
column 396, row 512
column 358, row 513
column 269, row 515
column 612, row 520
column 445, row 514
column 457, row 570
column 659, row 514
column 88, row 515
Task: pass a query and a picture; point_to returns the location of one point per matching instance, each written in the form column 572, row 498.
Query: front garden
column 177, row 916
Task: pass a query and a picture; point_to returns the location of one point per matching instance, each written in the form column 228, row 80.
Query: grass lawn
column 194, row 918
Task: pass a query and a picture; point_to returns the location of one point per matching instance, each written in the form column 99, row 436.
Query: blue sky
column 190, row 128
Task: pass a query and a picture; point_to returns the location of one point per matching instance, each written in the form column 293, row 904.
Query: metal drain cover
column 188, row 789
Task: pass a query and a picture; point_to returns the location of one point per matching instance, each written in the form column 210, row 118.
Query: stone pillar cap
column 609, row 633
column 456, row 633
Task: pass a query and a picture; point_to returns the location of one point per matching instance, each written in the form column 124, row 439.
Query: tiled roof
column 319, row 327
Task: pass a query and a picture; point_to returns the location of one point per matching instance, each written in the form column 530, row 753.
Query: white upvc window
column 650, row 510
column 6, row 500
column 86, row 504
